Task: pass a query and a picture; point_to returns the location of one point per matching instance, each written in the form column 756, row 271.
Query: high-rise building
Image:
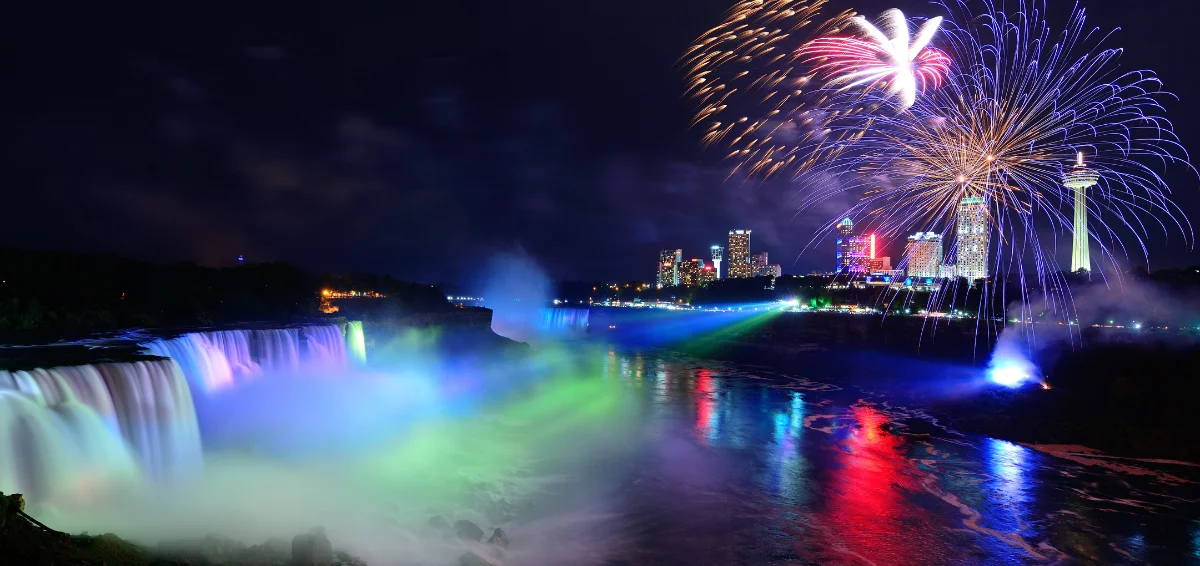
column 973, row 224
column 924, row 253
column 707, row 275
column 1080, row 179
column 668, row 267
column 854, row 253
column 739, row 254
column 757, row 263
column 760, row 266
column 718, row 253
column 845, row 232
column 879, row 264
column 691, row 272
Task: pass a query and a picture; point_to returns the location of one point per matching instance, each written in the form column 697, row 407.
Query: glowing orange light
column 872, row 246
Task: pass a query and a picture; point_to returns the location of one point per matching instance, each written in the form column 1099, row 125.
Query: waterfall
column 72, row 429
column 565, row 319
column 69, row 428
column 217, row 360
column 323, row 346
column 356, row 341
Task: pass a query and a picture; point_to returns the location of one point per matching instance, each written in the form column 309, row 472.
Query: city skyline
column 741, row 262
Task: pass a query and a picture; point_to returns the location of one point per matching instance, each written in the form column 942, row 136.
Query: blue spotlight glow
column 1010, row 366
column 1009, row 375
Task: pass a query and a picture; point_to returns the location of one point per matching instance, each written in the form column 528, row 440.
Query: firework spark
column 755, row 94
column 778, row 84
column 1020, row 101
column 885, row 58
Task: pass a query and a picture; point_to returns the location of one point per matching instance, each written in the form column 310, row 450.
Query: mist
column 372, row 454
column 518, row 291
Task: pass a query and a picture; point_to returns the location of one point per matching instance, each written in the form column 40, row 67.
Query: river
column 744, row 465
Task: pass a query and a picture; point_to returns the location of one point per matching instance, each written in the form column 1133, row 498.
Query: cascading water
column 356, row 341
column 69, row 428
column 567, row 320
column 215, row 360
column 323, row 346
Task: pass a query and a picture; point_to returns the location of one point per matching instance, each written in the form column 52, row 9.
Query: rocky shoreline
column 25, row 540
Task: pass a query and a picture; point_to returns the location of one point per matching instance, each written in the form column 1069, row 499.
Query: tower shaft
column 1080, row 253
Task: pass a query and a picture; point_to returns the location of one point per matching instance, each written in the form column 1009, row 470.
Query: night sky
column 417, row 139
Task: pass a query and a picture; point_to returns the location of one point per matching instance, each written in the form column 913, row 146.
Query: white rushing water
column 70, row 427
column 66, row 431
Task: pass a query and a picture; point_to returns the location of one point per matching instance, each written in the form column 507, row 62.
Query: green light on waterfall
column 356, row 343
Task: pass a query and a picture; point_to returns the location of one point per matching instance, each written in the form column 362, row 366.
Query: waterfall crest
column 217, row 360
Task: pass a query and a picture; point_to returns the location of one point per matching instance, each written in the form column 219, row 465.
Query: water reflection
column 846, row 488
column 708, row 414
column 788, row 474
column 1008, row 465
column 866, row 515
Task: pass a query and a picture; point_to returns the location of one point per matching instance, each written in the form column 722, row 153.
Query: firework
column 885, row 58
column 1019, row 103
column 755, row 95
column 777, row 83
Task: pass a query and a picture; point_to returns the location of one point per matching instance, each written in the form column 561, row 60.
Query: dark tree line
column 66, row 292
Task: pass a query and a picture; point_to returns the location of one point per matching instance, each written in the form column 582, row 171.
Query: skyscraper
column 854, row 253
column 1079, row 179
column 973, row 224
column 668, row 267
column 757, row 263
column 924, row 253
column 717, row 254
column 739, row 254
column 691, row 273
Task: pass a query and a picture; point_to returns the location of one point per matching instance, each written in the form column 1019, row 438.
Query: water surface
column 749, row 466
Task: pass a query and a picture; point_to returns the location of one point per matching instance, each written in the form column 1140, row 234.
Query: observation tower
column 718, row 253
column 1079, row 179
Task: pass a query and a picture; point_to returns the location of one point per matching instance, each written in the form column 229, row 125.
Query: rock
column 312, row 549
column 211, row 549
column 439, row 523
column 467, row 530
column 499, row 538
column 274, row 551
column 472, row 559
column 344, row 559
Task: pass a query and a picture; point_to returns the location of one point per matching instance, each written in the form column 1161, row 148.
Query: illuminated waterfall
column 566, row 320
column 71, row 431
column 217, row 360
column 356, row 342
column 74, row 429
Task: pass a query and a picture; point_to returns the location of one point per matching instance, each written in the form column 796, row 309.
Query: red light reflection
column 866, row 510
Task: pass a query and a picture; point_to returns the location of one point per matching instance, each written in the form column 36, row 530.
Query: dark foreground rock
column 467, row 530
column 312, row 549
column 499, row 538
column 26, row 542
